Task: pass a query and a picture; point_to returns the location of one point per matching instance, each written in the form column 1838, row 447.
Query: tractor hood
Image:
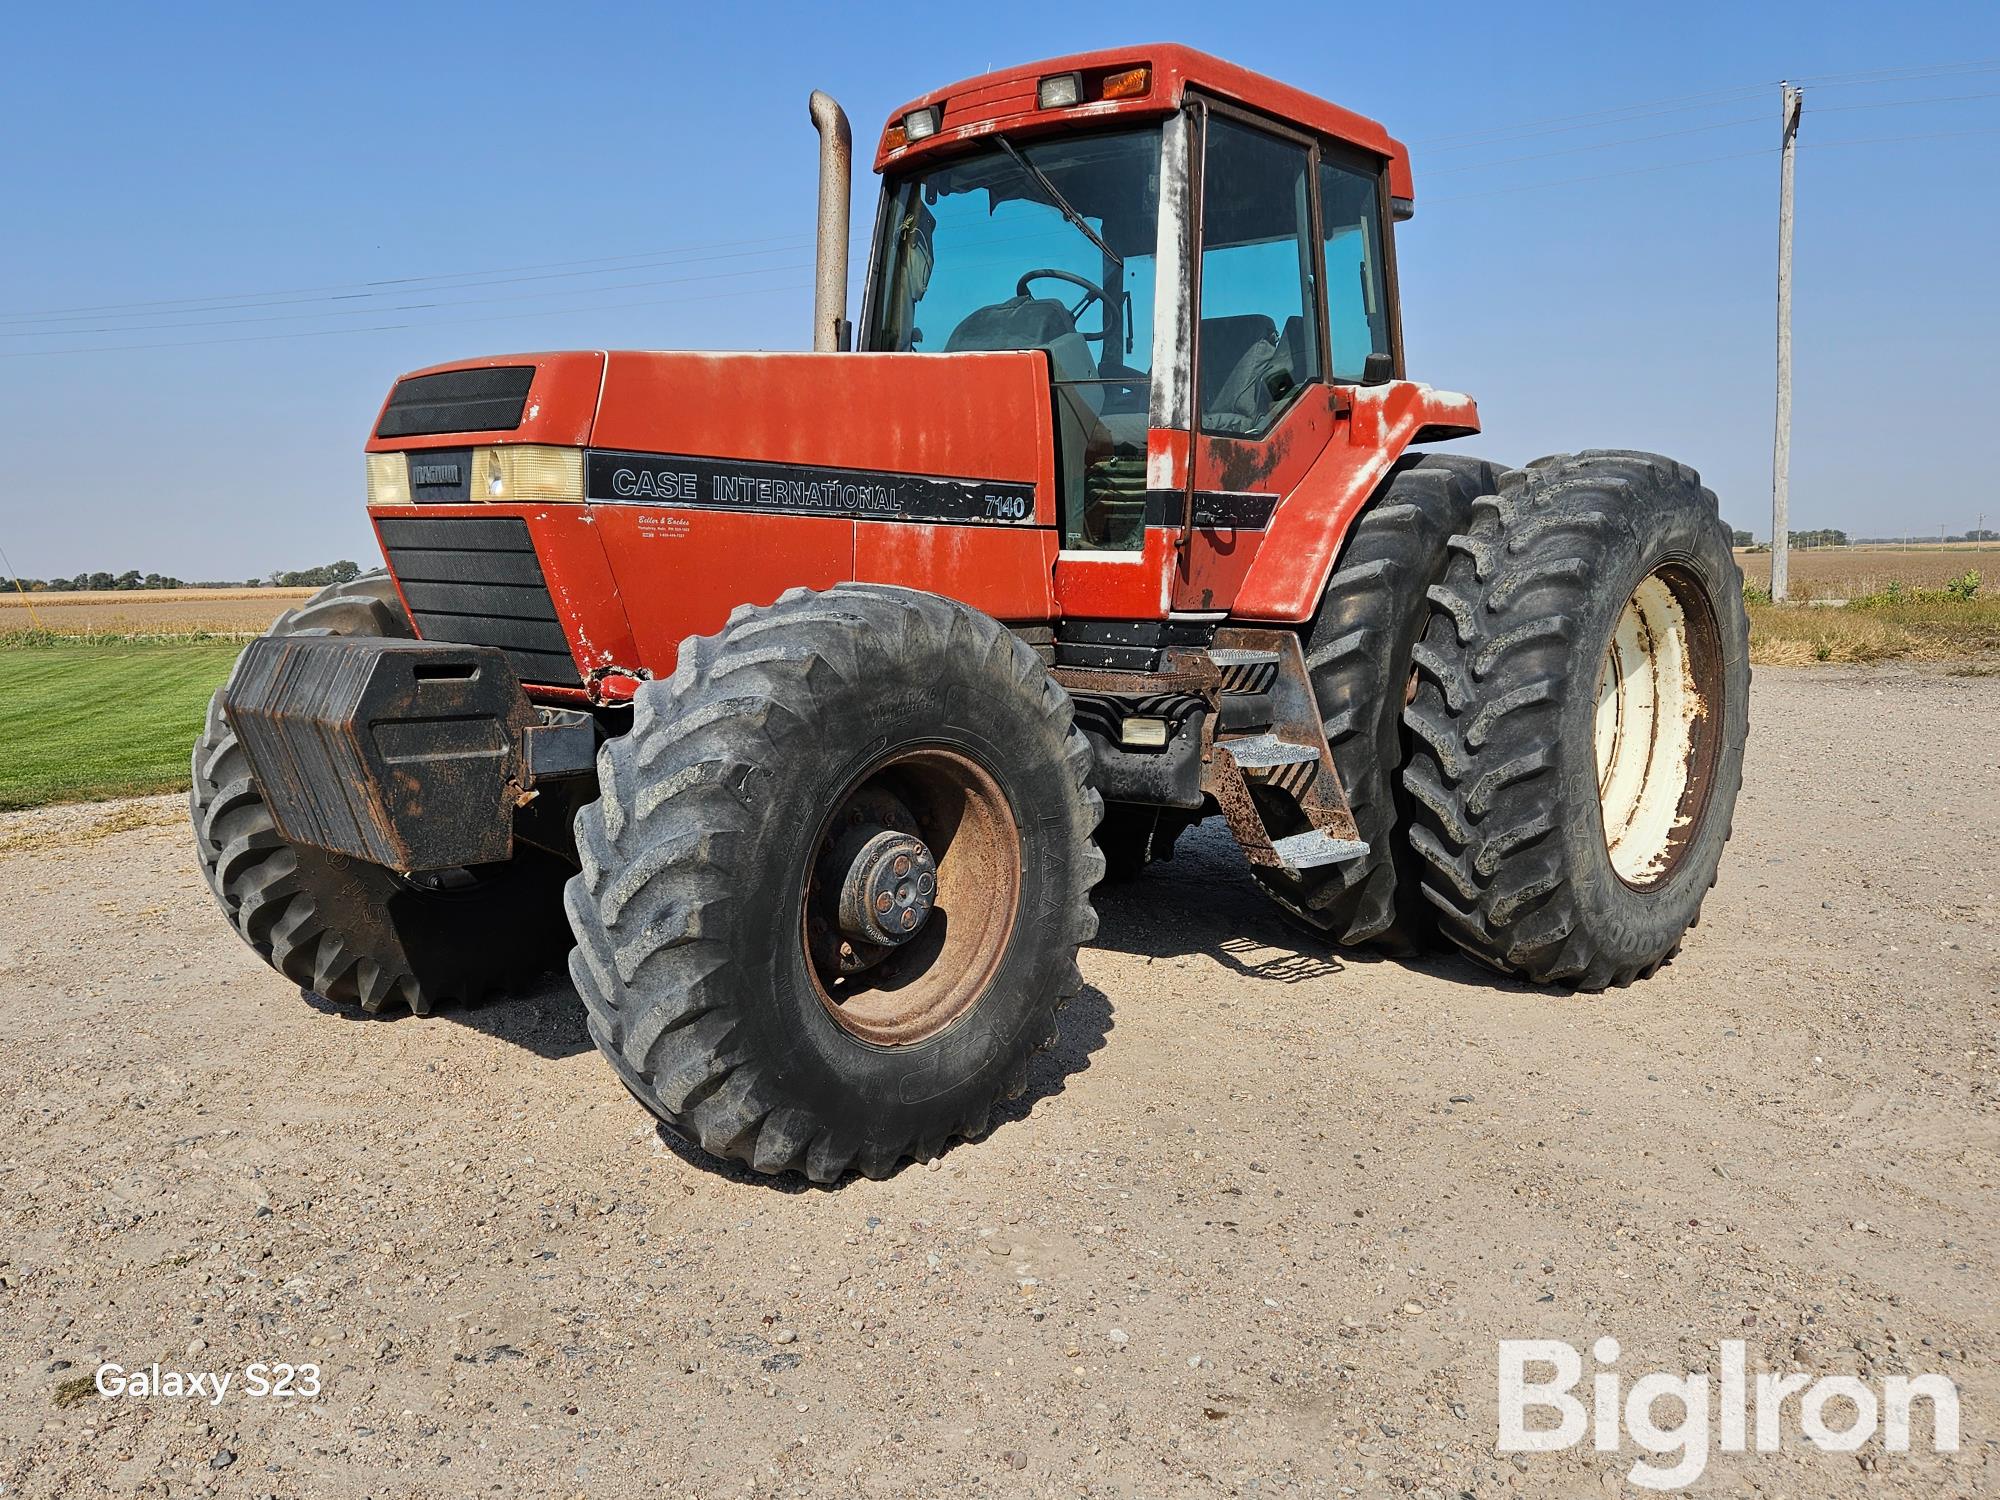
column 706, row 481
column 971, row 419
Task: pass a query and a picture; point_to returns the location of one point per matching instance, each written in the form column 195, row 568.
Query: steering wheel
column 1092, row 292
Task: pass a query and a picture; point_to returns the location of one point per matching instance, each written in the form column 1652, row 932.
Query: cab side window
column 1357, row 293
column 1258, row 344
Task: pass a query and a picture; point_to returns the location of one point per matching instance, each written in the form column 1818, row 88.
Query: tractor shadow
column 545, row 1016
column 1205, row 903
column 1082, row 1027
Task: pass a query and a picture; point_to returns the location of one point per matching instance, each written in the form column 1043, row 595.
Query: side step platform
column 1315, row 847
column 1247, row 679
column 1270, row 769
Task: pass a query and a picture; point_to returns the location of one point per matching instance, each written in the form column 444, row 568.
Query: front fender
column 1291, row 568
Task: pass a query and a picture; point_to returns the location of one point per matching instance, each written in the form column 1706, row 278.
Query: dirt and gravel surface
column 1255, row 1230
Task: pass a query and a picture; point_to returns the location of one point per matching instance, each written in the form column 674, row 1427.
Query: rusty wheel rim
column 912, row 887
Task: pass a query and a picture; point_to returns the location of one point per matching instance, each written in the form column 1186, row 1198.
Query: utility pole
column 1781, row 443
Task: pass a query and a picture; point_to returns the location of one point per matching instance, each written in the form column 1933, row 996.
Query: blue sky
column 189, row 156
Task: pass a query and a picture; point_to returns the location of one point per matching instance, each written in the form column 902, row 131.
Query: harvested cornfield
column 1851, row 572
column 148, row 611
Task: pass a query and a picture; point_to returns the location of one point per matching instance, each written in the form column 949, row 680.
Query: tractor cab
column 1204, row 258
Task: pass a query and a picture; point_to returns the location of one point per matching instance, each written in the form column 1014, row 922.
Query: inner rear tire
column 747, row 836
column 1580, row 719
column 345, row 929
column 1358, row 656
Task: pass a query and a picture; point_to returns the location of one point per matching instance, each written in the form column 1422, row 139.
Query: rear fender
column 1292, row 566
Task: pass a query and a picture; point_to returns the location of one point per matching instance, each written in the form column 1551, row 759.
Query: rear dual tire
column 1580, row 719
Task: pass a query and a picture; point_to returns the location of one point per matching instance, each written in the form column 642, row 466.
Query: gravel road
column 1256, row 1229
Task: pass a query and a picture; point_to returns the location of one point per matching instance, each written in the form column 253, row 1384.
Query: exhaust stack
column 831, row 331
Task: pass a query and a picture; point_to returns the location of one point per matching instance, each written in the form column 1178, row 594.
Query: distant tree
column 1742, row 538
column 339, row 572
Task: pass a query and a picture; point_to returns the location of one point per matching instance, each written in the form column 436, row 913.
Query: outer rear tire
column 1358, row 656
column 1509, row 778
column 693, row 913
column 345, row 929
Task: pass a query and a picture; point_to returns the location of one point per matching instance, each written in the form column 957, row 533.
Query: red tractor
column 800, row 700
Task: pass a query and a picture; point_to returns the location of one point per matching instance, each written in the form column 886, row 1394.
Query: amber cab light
column 1130, row 84
column 895, row 138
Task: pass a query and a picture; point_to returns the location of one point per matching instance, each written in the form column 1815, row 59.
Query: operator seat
column 1267, row 369
column 1025, row 322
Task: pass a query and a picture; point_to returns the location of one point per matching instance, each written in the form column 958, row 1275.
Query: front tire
column 343, row 928
column 805, row 747
column 1580, row 719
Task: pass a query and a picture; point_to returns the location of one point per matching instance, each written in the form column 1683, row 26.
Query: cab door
column 1263, row 411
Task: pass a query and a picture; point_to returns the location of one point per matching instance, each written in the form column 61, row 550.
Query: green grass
column 103, row 719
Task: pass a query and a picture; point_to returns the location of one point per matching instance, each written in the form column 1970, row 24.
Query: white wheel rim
column 1649, row 708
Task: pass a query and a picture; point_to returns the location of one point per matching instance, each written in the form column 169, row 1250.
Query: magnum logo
column 661, row 479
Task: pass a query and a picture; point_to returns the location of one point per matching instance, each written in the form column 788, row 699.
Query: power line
column 375, row 311
column 1699, row 161
column 1631, row 140
column 370, row 288
column 1663, row 135
column 544, row 312
column 1908, row 74
column 1682, row 103
column 1836, row 109
column 1881, row 140
column 1617, row 114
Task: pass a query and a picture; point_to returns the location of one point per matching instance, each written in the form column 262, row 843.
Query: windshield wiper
column 1062, row 204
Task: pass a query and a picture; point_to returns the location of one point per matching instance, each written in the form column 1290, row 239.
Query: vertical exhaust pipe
column 836, row 167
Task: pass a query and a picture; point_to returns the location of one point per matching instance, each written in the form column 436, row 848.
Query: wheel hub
column 890, row 884
column 911, row 895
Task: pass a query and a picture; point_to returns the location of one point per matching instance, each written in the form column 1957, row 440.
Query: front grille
column 486, row 400
column 477, row 582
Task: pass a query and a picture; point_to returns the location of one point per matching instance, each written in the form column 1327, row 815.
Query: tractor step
column 1226, row 657
column 1247, row 678
column 1266, row 752
column 1315, row 847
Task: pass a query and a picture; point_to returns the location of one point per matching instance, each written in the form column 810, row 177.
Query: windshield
column 1047, row 244
column 965, row 237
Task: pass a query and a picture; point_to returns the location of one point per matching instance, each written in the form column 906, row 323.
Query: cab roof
column 1006, row 101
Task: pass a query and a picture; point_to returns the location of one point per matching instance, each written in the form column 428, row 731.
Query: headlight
column 517, row 473
column 1060, row 91
column 527, row 471
column 388, row 479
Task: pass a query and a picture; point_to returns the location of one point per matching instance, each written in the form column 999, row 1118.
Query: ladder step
column 1231, row 658
column 1245, row 673
column 1315, row 847
column 1263, row 752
